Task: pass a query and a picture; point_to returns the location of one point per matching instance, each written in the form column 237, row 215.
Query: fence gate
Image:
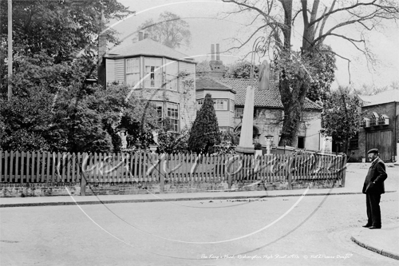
column 382, row 140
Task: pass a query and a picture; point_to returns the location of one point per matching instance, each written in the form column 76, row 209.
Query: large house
column 157, row 73
column 167, row 79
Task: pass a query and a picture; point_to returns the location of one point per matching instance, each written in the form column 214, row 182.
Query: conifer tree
column 205, row 132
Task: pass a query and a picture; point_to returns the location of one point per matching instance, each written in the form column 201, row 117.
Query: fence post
column 161, row 176
column 289, row 170
column 343, row 168
column 83, row 166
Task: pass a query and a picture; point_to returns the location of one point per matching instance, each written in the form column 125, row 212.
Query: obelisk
column 246, row 145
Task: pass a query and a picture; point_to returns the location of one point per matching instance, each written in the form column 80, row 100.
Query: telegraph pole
column 9, row 49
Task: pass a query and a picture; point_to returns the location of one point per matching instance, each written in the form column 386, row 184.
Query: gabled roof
column 379, row 98
column 146, row 47
column 208, row 83
column 263, row 98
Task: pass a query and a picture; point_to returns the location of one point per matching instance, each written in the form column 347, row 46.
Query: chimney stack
column 217, row 52
column 141, row 35
column 212, row 52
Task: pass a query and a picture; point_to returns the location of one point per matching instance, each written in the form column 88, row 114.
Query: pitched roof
column 263, row 98
column 146, row 47
column 208, row 83
column 382, row 97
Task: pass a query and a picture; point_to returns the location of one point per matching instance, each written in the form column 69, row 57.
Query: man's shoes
column 375, row 227
column 367, row 225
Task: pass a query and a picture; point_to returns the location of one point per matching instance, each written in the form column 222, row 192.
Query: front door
column 382, row 140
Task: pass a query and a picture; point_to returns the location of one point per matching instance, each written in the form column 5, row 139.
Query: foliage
column 202, row 68
column 71, row 120
column 323, row 75
column 172, row 142
column 341, row 116
column 62, row 30
column 170, row 30
column 228, row 144
column 205, row 134
column 309, row 71
column 242, row 70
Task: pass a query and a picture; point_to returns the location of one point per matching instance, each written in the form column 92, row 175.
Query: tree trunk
column 292, row 100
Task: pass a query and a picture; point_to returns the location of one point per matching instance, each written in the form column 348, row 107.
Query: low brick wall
column 38, row 189
column 134, row 188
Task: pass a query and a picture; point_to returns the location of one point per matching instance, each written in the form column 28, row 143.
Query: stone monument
column 246, row 145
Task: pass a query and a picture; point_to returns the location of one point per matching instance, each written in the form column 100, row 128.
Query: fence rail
column 46, row 167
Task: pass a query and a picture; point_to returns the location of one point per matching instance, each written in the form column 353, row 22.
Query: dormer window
column 383, row 120
column 375, row 119
column 366, row 122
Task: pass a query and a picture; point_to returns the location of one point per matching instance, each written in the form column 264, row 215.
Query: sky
column 209, row 24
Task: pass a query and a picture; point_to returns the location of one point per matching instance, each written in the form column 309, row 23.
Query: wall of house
column 312, row 127
column 177, row 92
column 392, row 111
column 269, row 123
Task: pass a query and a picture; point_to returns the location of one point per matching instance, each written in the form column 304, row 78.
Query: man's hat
column 373, row 151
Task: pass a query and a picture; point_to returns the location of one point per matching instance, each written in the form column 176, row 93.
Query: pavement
column 382, row 241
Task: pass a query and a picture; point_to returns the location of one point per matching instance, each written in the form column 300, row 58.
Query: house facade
column 158, row 74
column 380, row 127
column 229, row 96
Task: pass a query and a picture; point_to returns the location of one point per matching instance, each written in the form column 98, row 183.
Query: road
column 311, row 230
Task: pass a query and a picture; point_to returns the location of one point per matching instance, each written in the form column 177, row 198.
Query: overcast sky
column 209, row 25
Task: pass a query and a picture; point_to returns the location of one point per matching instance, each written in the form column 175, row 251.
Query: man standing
column 373, row 188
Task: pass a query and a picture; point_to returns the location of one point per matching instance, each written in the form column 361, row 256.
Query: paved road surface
column 274, row 231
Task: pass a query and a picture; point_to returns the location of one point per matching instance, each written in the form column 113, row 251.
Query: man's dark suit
column 373, row 188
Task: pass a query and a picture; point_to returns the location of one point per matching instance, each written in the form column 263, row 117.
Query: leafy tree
column 53, row 109
column 205, row 132
column 298, row 70
column 202, row 68
column 172, row 142
column 242, row 70
column 170, row 30
column 341, row 116
column 62, row 30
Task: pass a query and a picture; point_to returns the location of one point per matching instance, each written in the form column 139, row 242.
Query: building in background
column 229, row 97
column 156, row 73
column 380, row 127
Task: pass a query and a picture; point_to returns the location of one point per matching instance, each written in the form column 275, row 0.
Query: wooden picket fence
column 47, row 167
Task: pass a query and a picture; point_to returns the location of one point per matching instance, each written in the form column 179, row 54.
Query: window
column 159, row 107
column 199, row 104
column 153, row 72
column 132, row 71
column 220, row 104
column 301, row 142
column 173, row 115
column 171, row 72
column 239, row 112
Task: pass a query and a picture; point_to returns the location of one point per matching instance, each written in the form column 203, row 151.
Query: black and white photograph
column 199, row 132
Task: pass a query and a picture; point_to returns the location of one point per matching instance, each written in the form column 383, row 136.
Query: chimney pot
column 217, row 52
column 212, row 52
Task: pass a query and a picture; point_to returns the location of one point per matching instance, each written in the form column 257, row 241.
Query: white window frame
column 221, row 104
column 153, row 72
column 132, row 71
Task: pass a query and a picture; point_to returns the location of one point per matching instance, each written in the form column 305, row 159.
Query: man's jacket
column 374, row 183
